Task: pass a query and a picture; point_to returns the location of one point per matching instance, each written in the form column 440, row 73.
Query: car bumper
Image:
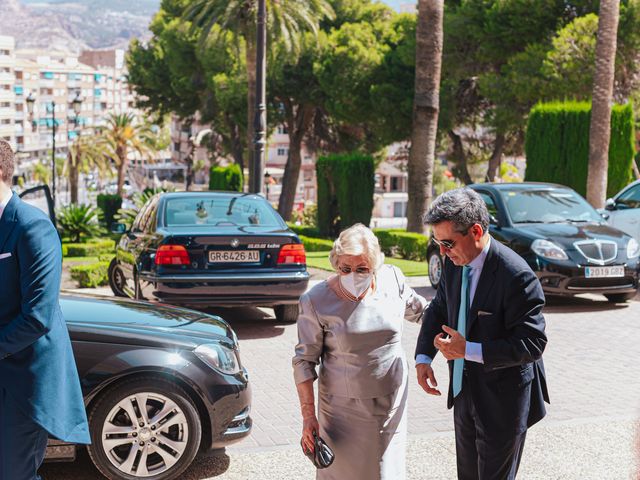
column 564, row 280
column 258, row 289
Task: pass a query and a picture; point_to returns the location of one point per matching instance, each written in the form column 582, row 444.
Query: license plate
column 601, row 272
column 239, row 256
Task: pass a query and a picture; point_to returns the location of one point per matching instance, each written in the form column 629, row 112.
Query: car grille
column 579, row 283
column 597, row 251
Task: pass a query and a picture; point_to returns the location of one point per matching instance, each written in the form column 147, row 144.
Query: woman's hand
column 309, row 425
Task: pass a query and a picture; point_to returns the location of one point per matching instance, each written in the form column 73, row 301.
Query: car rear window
column 548, row 206
column 219, row 212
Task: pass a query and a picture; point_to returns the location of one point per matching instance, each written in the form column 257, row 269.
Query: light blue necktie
column 458, row 363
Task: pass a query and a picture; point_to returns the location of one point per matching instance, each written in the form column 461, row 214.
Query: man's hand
column 452, row 347
column 427, row 379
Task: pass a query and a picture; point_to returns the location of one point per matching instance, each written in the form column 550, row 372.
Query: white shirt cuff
column 473, row 352
column 422, row 358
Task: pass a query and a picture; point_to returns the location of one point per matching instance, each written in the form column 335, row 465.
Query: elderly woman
column 351, row 324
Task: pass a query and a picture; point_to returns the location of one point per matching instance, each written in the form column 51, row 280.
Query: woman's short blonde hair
column 357, row 240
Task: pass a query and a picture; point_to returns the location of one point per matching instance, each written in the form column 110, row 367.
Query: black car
column 564, row 240
column 211, row 248
column 161, row 384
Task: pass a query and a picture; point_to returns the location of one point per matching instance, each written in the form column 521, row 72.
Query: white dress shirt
column 4, row 201
column 473, row 350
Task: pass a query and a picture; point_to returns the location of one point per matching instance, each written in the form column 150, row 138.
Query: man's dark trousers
column 480, row 453
column 22, row 442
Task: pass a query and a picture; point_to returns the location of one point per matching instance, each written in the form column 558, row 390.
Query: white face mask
column 356, row 283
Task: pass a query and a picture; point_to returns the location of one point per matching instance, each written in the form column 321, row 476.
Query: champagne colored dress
column 362, row 378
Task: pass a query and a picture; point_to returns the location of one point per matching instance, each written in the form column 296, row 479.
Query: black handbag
column 322, row 456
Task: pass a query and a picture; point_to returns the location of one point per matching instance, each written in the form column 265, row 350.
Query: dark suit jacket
column 509, row 389
column 37, row 367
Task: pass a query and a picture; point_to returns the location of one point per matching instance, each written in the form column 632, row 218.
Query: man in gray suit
column 39, row 387
column 486, row 319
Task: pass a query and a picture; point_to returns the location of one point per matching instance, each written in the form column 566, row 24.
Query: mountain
column 74, row 25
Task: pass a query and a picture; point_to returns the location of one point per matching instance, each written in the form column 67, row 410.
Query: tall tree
column 84, row 154
column 600, row 128
column 122, row 136
column 286, row 19
column 426, row 104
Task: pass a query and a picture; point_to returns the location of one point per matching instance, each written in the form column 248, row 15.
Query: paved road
column 588, row 433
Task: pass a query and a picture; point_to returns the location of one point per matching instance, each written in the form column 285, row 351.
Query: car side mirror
column 610, row 204
column 118, row 228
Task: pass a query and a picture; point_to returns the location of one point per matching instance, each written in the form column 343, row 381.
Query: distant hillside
column 74, row 25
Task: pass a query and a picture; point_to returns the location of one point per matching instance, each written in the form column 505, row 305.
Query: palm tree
column 122, row 136
column 84, row 154
column 600, row 128
column 426, row 105
column 287, row 19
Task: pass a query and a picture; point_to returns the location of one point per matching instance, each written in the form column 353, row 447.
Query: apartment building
column 51, row 81
column 7, row 95
column 112, row 92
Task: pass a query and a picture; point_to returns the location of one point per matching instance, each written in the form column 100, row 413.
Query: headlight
column 633, row 249
column 218, row 357
column 547, row 249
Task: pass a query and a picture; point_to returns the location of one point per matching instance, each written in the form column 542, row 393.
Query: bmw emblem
column 235, row 242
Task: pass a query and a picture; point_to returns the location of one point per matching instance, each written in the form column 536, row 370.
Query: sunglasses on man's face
column 348, row 269
column 448, row 244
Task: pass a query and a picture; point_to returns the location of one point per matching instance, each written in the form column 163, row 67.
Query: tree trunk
column 496, row 158
column 426, row 106
column 122, row 169
column 298, row 127
column 636, row 171
column 460, row 171
column 234, row 142
column 602, row 97
column 251, row 58
column 73, row 176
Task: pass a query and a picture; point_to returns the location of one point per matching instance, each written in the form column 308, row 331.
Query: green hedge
column 91, row 275
column 92, row 248
column 557, row 145
column 345, row 191
column 109, row 205
column 411, row 246
column 226, row 178
column 316, row 244
column 304, row 230
column 387, row 242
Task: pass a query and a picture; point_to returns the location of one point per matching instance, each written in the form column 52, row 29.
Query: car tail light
column 172, row 255
column 292, row 253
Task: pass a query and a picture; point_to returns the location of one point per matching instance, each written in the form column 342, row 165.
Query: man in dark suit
column 486, row 319
column 39, row 387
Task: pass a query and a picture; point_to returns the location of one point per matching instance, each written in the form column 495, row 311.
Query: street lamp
column 260, row 121
column 267, row 181
column 30, row 101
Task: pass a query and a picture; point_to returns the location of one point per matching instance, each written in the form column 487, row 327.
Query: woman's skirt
column 368, row 436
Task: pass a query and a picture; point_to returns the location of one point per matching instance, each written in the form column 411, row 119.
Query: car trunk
column 230, row 249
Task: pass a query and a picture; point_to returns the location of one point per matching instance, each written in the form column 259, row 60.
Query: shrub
column 411, row 246
column 226, row 178
column 92, row 248
column 91, row 275
column 557, row 145
column 128, row 215
column 305, row 230
column 316, row 244
column 77, row 221
column 387, row 242
column 345, row 191
column 109, row 204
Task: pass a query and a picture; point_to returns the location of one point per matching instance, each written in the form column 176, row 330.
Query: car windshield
column 548, row 206
column 219, row 212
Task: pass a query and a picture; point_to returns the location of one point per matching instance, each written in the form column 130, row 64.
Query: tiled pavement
column 590, row 361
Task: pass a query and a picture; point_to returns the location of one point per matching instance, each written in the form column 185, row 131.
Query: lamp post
column 30, row 101
column 267, row 181
column 260, row 122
